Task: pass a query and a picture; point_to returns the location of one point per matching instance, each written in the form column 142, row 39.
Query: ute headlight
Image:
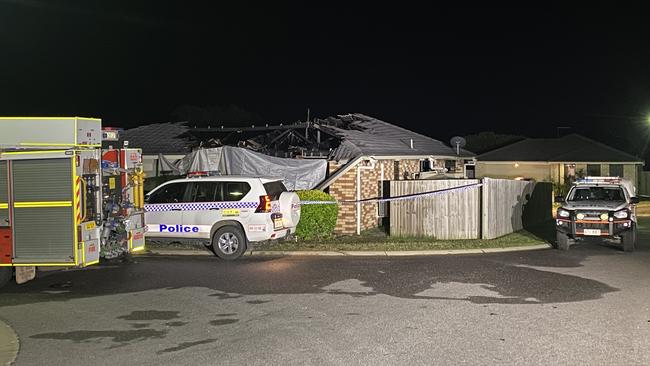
column 623, row 214
column 563, row 213
column 580, row 216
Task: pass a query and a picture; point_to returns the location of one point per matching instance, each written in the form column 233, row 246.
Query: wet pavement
column 589, row 305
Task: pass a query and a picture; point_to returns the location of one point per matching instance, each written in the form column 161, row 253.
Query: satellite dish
column 458, row 142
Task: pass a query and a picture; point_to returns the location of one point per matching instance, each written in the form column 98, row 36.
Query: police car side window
column 170, row 193
column 205, row 192
column 235, row 191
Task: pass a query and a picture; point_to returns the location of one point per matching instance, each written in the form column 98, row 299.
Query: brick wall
column 344, row 189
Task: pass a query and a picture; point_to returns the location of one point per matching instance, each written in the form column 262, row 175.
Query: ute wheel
column 5, row 275
column 229, row 243
column 562, row 241
column 628, row 239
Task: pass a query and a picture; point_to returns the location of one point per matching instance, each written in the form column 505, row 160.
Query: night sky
column 441, row 71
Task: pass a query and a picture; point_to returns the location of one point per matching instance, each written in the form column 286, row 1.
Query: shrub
column 316, row 221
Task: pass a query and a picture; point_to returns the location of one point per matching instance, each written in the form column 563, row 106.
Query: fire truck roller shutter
column 43, row 214
column 4, row 193
column 6, row 246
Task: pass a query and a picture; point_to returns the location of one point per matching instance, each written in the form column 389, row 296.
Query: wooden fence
column 497, row 208
column 453, row 215
column 644, row 184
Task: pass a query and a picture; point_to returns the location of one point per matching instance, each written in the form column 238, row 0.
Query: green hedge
column 316, row 221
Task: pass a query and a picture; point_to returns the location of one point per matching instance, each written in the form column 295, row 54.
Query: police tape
column 405, row 197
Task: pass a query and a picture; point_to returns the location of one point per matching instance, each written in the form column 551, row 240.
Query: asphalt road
column 590, row 305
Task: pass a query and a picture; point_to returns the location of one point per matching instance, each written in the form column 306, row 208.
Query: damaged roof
column 345, row 137
column 569, row 148
column 159, row 138
column 362, row 135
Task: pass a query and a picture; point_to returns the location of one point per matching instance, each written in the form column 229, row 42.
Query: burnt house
column 361, row 151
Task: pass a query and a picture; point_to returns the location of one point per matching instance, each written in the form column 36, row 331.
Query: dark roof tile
column 569, row 148
column 364, row 135
column 159, row 138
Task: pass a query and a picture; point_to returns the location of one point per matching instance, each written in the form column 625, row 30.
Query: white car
column 227, row 212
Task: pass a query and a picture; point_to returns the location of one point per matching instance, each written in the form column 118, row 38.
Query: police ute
column 227, row 213
column 598, row 207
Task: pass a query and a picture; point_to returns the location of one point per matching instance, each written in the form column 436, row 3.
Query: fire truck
column 65, row 201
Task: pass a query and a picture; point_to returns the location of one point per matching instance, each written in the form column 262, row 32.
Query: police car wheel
column 229, row 243
column 628, row 239
column 5, row 275
column 562, row 241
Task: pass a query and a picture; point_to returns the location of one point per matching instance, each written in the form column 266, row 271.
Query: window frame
column 158, row 191
column 600, row 170
column 225, row 191
column 622, row 167
column 191, row 193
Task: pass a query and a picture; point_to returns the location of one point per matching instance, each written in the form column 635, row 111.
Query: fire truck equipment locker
column 35, row 132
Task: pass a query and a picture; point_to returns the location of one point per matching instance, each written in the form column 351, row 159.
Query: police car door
column 164, row 210
column 203, row 209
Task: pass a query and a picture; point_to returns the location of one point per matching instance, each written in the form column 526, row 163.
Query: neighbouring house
column 558, row 159
column 361, row 152
column 156, row 139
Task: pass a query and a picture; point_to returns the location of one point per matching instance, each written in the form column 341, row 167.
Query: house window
column 593, row 170
column 569, row 171
column 616, row 170
column 425, row 165
column 450, row 165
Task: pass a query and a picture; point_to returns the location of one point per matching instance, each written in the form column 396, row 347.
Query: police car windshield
column 597, row 194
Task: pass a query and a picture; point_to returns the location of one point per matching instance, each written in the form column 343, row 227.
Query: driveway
column 589, row 305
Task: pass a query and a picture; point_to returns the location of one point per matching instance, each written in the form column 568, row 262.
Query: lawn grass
column 377, row 241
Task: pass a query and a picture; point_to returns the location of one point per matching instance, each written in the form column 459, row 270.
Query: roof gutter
column 350, row 164
column 558, row 162
column 428, row 156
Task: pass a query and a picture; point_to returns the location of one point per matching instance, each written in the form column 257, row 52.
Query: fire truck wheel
column 562, row 241
column 628, row 239
column 5, row 275
column 229, row 243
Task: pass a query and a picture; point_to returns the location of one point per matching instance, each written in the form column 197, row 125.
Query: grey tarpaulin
column 202, row 160
column 297, row 174
column 168, row 166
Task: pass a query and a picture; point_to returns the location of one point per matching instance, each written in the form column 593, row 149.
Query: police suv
column 227, row 212
column 598, row 207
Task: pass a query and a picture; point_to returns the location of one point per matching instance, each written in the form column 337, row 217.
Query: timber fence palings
column 462, row 208
column 489, row 210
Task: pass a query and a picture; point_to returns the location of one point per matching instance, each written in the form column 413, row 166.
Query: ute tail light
column 265, row 204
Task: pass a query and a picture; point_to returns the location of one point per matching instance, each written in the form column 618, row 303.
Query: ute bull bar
column 603, row 228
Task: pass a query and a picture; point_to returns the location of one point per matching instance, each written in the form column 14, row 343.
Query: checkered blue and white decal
column 198, row 206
